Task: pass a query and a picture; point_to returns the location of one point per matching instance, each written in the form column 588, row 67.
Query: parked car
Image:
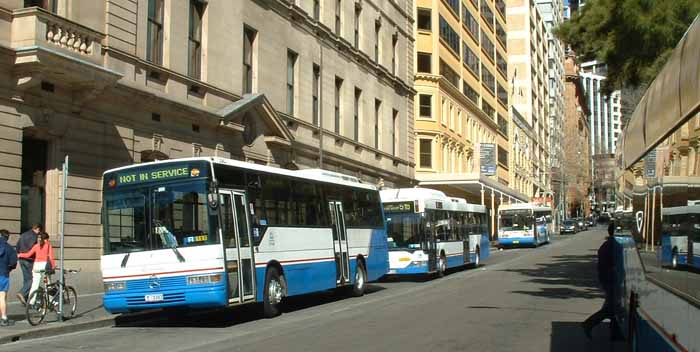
column 568, row 226
column 591, row 222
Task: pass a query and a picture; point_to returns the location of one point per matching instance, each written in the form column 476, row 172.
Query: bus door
column 429, row 240
column 340, row 243
column 238, row 253
column 464, row 231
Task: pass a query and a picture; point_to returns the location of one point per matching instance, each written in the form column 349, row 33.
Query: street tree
column 633, row 37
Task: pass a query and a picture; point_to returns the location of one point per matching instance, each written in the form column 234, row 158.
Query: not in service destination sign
column 155, row 173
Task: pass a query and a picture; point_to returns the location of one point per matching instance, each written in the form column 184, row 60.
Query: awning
column 471, row 183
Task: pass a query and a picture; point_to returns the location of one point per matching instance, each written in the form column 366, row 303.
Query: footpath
column 89, row 315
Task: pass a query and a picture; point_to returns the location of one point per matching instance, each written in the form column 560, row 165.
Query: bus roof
column 429, row 197
column 531, row 206
column 309, row 174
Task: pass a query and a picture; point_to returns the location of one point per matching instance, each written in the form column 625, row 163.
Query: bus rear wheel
column 273, row 293
column 442, row 266
column 358, row 288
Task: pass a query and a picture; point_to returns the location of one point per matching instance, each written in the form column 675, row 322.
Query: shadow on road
column 569, row 337
column 565, row 276
column 227, row 317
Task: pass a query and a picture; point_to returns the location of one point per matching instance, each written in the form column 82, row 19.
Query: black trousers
column 609, row 310
column 26, row 266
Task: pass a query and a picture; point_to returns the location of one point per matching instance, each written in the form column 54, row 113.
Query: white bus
column 214, row 232
column 430, row 232
column 524, row 224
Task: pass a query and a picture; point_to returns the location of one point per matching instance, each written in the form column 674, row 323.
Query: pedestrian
column 43, row 262
column 24, row 244
column 608, row 279
column 8, row 262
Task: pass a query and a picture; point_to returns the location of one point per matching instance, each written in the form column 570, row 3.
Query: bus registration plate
column 516, row 241
column 158, row 297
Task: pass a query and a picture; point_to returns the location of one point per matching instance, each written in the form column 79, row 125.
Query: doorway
column 33, row 198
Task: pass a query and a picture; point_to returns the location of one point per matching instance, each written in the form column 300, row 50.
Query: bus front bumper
column 516, row 241
column 199, row 296
column 411, row 269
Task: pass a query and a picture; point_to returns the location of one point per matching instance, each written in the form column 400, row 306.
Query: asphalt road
column 520, row 300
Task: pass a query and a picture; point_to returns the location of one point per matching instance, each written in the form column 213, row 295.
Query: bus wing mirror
column 213, row 200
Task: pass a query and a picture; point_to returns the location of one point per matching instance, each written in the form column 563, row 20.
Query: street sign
column 487, row 159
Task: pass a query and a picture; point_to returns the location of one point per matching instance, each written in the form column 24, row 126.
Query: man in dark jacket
column 608, row 280
column 24, row 244
column 8, row 262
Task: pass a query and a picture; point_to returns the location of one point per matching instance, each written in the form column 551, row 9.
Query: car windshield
column 516, row 220
column 403, row 229
column 176, row 216
column 568, row 223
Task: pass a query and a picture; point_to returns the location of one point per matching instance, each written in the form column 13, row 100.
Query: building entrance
column 34, row 155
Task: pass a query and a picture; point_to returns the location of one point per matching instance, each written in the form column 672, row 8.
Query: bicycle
column 46, row 298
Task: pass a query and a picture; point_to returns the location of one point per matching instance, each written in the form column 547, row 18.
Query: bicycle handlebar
column 69, row 271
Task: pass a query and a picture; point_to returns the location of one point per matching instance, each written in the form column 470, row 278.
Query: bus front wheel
column 358, row 288
column 274, row 291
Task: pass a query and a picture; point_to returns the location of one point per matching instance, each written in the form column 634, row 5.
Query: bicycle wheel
column 70, row 302
column 36, row 312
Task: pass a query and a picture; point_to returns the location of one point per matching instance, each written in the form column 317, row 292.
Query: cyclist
column 8, row 262
column 43, row 256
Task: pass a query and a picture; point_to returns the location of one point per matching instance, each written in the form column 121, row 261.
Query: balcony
column 49, row 47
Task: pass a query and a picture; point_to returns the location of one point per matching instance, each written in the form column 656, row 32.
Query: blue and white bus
column 524, row 224
column 430, row 232
column 680, row 236
column 215, row 232
column 658, row 186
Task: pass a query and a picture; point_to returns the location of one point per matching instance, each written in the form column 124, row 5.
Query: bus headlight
column 115, row 286
column 203, row 279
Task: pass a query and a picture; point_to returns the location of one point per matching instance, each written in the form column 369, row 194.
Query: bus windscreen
column 516, row 220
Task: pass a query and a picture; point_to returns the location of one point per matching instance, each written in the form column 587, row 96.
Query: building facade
column 576, row 166
column 462, row 101
column 605, row 129
column 528, row 72
column 294, row 84
column 606, row 117
column 553, row 15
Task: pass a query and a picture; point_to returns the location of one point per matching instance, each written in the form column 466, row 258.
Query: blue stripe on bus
column 485, row 246
column 175, row 294
column 511, row 241
column 455, row 260
column 411, row 269
column 650, row 338
column 303, row 278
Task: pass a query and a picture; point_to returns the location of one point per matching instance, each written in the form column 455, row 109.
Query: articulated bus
column 430, row 232
column 524, row 224
column 658, row 186
column 215, row 232
column 680, row 236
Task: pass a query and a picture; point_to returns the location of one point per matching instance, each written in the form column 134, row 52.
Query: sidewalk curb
column 56, row 329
